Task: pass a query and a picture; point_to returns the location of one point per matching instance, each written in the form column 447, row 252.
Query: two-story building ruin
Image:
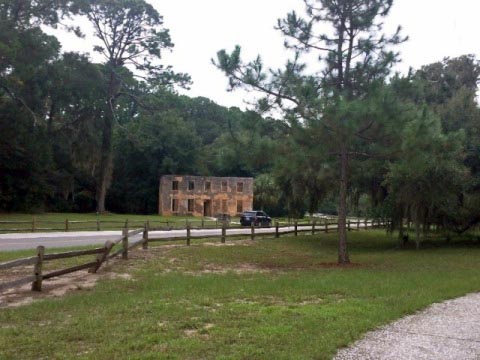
column 204, row 196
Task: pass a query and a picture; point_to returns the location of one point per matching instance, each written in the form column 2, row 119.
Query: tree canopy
column 338, row 103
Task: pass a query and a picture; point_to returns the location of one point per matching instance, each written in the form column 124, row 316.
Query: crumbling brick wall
column 204, row 196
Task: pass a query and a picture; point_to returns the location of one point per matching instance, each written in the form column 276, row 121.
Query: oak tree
column 131, row 35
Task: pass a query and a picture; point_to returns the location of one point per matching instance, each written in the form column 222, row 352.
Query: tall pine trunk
column 106, row 160
column 342, row 209
column 106, row 164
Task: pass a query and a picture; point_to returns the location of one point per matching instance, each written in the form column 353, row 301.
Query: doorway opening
column 207, row 208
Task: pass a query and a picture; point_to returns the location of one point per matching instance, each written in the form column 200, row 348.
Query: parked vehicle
column 258, row 218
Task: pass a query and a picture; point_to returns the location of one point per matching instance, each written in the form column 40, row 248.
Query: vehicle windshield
column 249, row 213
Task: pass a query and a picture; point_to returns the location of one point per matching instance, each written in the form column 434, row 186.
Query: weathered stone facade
column 204, row 196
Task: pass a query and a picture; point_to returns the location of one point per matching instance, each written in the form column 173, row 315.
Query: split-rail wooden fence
column 39, row 225
column 107, row 251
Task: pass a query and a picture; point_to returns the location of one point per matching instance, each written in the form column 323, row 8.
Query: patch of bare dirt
column 82, row 280
column 53, row 288
column 201, row 332
column 237, row 269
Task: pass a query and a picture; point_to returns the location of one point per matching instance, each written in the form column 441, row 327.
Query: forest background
column 84, row 136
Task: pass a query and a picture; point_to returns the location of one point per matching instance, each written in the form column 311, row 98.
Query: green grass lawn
column 288, row 302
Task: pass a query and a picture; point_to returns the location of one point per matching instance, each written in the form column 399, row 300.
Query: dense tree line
column 73, row 131
column 349, row 137
column 406, row 140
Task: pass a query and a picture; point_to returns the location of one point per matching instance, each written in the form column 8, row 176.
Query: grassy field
column 268, row 299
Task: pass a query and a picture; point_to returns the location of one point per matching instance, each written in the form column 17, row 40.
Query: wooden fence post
column 295, row 224
column 366, row 224
column 203, row 223
column 125, row 244
column 252, row 234
column 216, row 224
column 358, row 224
column 224, row 232
column 126, row 224
column 102, row 256
column 277, row 233
column 145, row 237
column 313, row 227
column 66, row 225
column 188, row 234
column 326, row 226
column 348, row 225
column 98, row 225
column 37, row 269
column 34, row 223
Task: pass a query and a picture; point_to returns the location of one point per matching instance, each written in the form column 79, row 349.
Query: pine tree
column 339, row 102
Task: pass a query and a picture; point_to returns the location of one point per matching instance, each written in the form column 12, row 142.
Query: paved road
column 82, row 238
column 445, row 331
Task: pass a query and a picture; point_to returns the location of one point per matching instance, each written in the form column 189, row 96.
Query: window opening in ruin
column 175, row 185
column 191, row 185
column 224, row 186
column 239, row 206
column 208, row 186
column 240, row 187
column 190, row 205
column 174, row 205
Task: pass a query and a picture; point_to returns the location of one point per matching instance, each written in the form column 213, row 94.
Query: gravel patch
column 444, row 331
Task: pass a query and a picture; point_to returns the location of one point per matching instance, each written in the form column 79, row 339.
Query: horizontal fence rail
column 36, row 225
column 39, row 260
column 130, row 240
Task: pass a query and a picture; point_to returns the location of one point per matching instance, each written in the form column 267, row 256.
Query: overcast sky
column 437, row 28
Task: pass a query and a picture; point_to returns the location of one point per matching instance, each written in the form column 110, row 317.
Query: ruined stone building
column 204, row 196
